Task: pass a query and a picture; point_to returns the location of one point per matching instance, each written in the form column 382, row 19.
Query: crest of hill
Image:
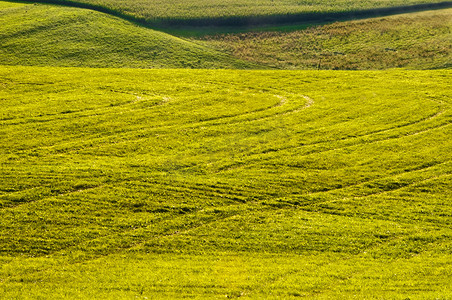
column 44, row 35
column 247, row 12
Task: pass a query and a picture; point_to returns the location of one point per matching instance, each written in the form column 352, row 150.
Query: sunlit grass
column 206, row 184
column 46, row 35
column 181, row 11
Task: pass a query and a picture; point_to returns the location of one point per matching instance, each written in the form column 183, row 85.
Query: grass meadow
column 142, row 164
column 240, row 12
column 47, row 35
column 206, row 184
column 419, row 40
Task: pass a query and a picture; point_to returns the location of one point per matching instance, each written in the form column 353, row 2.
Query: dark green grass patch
column 120, row 183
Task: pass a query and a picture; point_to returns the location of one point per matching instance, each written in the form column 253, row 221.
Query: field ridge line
column 251, row 21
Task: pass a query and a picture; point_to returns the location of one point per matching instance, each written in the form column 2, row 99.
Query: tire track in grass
column 435, row 115
column 310, row 102
column 212, row 122
column 100, row 111
column 94, row 112
column 379, row 140
column 235, row 196
column 316, row 208
column 48, row 197
column 93, row 256
column 51, row 197
column 174, row 232
column 376, row 246
column 136, row 247
column 419, row 171
column 107, row 236
column 401, row 187
column 225, row 121
column 373, row 246
column 126, row 136
column 424, row 173
column 251, row 159
column 86, row 241
column 174, row 185
column 417, row 122
column 362, row 254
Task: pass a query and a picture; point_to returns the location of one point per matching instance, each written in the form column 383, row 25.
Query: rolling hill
column 420, row 40
column 46, row 35
column 126, row 174
column 246, row 12
column 123, row 183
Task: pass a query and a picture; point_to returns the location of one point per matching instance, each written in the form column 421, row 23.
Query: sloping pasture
column 233, row 13
column 421, row 40
column 48, row 35
column 120, row 183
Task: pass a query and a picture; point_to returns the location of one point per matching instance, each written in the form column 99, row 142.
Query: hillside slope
column 168, row 184
column 46, row 35
column 246, row 12
column 418, row 41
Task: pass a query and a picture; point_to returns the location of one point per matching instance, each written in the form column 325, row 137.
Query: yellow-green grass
column 4, row 4
column 46, row 35
column 120, row 183
column 416, row 41
column 243, row 12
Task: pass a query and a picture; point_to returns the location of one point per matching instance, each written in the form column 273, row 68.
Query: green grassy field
column 121, row 183
column 44, row 35
column 232, row 12
column 418, row 41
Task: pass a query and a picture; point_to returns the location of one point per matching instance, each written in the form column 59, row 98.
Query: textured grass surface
column 47, row 35
column 231, row 12
column 178, row 183
column 417, row 41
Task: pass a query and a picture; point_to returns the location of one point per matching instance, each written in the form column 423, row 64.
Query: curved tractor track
column 174, row 162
